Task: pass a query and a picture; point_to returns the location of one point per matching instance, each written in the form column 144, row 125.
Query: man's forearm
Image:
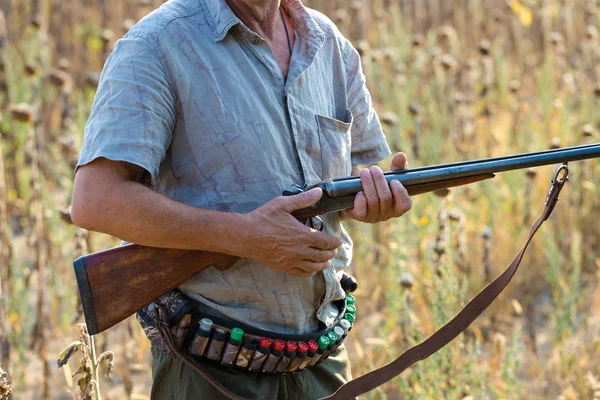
column 137, row 214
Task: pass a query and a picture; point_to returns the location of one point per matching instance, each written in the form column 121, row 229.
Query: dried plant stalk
column 5, row 237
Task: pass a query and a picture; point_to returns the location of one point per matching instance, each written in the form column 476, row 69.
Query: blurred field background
column 451, row 80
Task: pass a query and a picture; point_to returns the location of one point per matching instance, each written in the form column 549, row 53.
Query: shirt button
column 256, row 40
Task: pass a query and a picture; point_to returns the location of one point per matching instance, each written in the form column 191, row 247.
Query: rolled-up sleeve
column 368, row 140
column 133, row 113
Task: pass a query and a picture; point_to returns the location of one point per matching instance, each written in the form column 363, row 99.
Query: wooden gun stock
column 116, row 283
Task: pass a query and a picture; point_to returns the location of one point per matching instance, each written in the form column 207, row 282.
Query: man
column 206, row 111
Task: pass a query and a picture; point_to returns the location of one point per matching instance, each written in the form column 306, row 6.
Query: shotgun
column 146, row 273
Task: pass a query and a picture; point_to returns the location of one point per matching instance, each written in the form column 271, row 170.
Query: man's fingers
column 310, row 268
column 324, row 241
column 359, row 211
column 400, row 161
column 318, row 255
column 386, row 199
column 370, row 191
column 402, row 201
column 299, row 201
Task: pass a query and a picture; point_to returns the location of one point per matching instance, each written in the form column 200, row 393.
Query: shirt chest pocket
column 335, row 145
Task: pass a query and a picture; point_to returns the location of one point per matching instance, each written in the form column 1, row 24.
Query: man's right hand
column 283, row 243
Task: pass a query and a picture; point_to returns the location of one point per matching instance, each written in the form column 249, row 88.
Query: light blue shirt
column 198, row 100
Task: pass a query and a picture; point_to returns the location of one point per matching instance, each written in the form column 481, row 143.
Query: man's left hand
column 380, row 201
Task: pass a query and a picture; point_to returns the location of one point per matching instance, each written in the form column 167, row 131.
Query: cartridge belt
column 195, row 329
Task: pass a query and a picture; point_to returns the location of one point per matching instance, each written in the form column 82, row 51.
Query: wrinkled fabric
column 197, row 99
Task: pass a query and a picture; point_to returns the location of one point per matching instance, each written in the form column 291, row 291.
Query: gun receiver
column 146, row 273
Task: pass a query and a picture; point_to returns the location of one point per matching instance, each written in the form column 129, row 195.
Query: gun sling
column 432, row 344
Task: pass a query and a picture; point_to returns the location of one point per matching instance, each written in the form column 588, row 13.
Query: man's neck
column 261, row 16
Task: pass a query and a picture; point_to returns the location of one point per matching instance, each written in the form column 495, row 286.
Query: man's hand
column 379, row 201
column 281, row 242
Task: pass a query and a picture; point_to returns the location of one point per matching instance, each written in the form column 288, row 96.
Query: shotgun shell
column 245, row 354
column 260, row 355
column 215, row 349
column 351, row 309
column 200, row 341
column 333, row 338
column 313, row 347
column 350, row 318
column 350, row 299
column 288, row 354
column 300, row 356
column 180, row 330
column 273, row 358
column 232, row 346
column 338, row 330
column 323, row 344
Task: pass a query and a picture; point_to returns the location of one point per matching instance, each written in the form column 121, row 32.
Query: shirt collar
column 221, row 19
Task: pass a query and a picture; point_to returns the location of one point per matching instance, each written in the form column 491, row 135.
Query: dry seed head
column 377, row 56
column 356, row 5
column 597, row 90
column 530, row 173
column 558, row 104
column 107, row 35
column 555, row 144
column 514, row 86
column 591, row 32
column 21, row 112
column 471, row 64
column 556, row 38
column 448, row 62
column 64, row 64
column 417, row 40
column 30, row 70
column 486, row 234
column 406, row 280
column 389, row 53
column 435, row 52
column 442, row 192
column 484, row 47
column 458, row 97
column 446, row 33
column 65, row 215
column 59, row 78
column 389, row 118
column 588, row 130
column 497, row 15
column 400, row 68
column 340, row 16
column 128, row 24
column 363, row 47
column 36, row 20
column 414, row 109
column 93, row 79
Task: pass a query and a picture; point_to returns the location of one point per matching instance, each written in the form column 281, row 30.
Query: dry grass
column 451, row 80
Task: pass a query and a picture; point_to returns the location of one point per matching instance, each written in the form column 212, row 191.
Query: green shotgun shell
column 323, row 343
column 350, row 299
column 236, row 334
column 332, row 337
column 351, row 309
column 349, row 317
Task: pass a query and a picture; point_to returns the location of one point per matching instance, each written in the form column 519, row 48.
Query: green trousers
column 174, row 380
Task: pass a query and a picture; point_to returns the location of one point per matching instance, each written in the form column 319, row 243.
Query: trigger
column 315, row 223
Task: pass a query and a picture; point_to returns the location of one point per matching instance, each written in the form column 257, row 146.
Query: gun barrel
column 351, row 185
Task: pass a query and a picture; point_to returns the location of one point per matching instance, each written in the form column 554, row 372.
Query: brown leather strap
column 432, row 344
column 461, row 321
